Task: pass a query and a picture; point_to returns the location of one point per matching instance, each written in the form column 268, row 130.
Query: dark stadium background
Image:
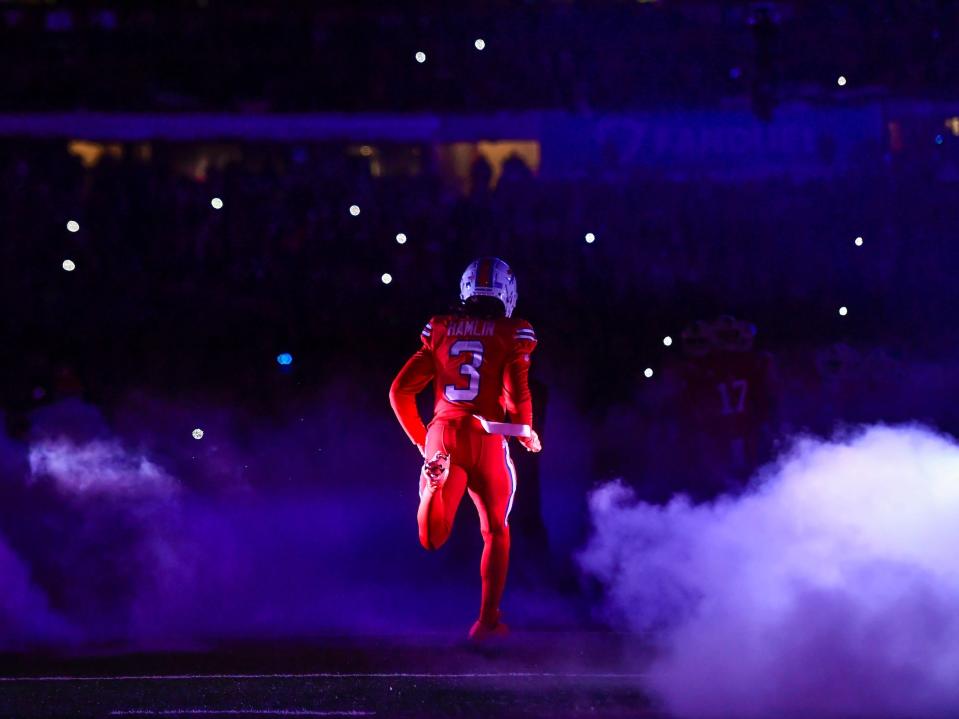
column 724, row 155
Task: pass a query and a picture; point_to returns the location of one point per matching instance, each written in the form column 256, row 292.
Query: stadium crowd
column 176, row 297
column 349, row 57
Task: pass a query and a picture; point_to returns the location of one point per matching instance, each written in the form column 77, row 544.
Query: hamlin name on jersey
column 474, row 328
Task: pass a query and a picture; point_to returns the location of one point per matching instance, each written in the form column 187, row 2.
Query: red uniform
column 728, row 398
column 728, row 392
column 478, row 367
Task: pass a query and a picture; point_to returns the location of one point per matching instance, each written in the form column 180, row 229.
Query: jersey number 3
column 469, row 369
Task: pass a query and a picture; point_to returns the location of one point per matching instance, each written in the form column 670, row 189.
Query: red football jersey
column 479, row 366
column 729, row 391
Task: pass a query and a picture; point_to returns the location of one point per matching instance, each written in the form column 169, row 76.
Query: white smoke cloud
column 831, row 589
column 98, row 467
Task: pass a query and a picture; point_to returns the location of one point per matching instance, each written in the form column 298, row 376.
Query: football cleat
column 480, row 632
column 436, row 470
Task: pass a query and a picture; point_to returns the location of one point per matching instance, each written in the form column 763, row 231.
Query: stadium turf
column 556, row 676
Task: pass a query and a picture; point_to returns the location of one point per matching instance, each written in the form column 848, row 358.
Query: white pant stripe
column 512, row 478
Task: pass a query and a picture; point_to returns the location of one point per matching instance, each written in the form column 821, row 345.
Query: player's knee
column 496, row 532
column 433, row 540
column 425, row 541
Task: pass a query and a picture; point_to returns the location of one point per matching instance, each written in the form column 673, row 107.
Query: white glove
column 532, row 442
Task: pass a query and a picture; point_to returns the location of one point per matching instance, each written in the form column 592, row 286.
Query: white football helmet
column 490, row 277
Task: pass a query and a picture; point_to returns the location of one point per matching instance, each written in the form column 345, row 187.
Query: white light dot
column 841, row 81
column 386, row 278
column 667, row 340
column 198, row 433
column 648, row 372
column 354, row 210
column 590, row 238
column 858, row 242
column 420, row 57
column 843, row 311
column 401, row 238
column 217, row 203
column 480, row 43
column 69, row 266
column 73, row 226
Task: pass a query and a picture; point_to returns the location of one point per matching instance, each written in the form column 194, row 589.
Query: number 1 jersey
column 478, row 366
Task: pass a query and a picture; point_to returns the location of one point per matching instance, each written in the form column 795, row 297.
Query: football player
column 742, row 399
column 478, row 358
column 727, row 401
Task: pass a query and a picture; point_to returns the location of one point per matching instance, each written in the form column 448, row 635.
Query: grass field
column 543, row 675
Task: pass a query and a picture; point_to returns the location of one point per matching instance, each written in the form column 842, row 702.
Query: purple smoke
column 98, row 468
column 124, row 530
column 832, row 589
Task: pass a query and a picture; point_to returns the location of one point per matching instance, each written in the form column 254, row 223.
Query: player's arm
column 415, row 375
column 519, row 401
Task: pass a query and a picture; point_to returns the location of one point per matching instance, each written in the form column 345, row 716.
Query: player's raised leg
column 442, row 484
column 478, row 357
column 492, row 492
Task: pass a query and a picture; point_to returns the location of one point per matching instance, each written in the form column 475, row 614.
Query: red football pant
column 480, row 463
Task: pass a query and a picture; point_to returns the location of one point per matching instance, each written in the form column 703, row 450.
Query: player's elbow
column 396, row 393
